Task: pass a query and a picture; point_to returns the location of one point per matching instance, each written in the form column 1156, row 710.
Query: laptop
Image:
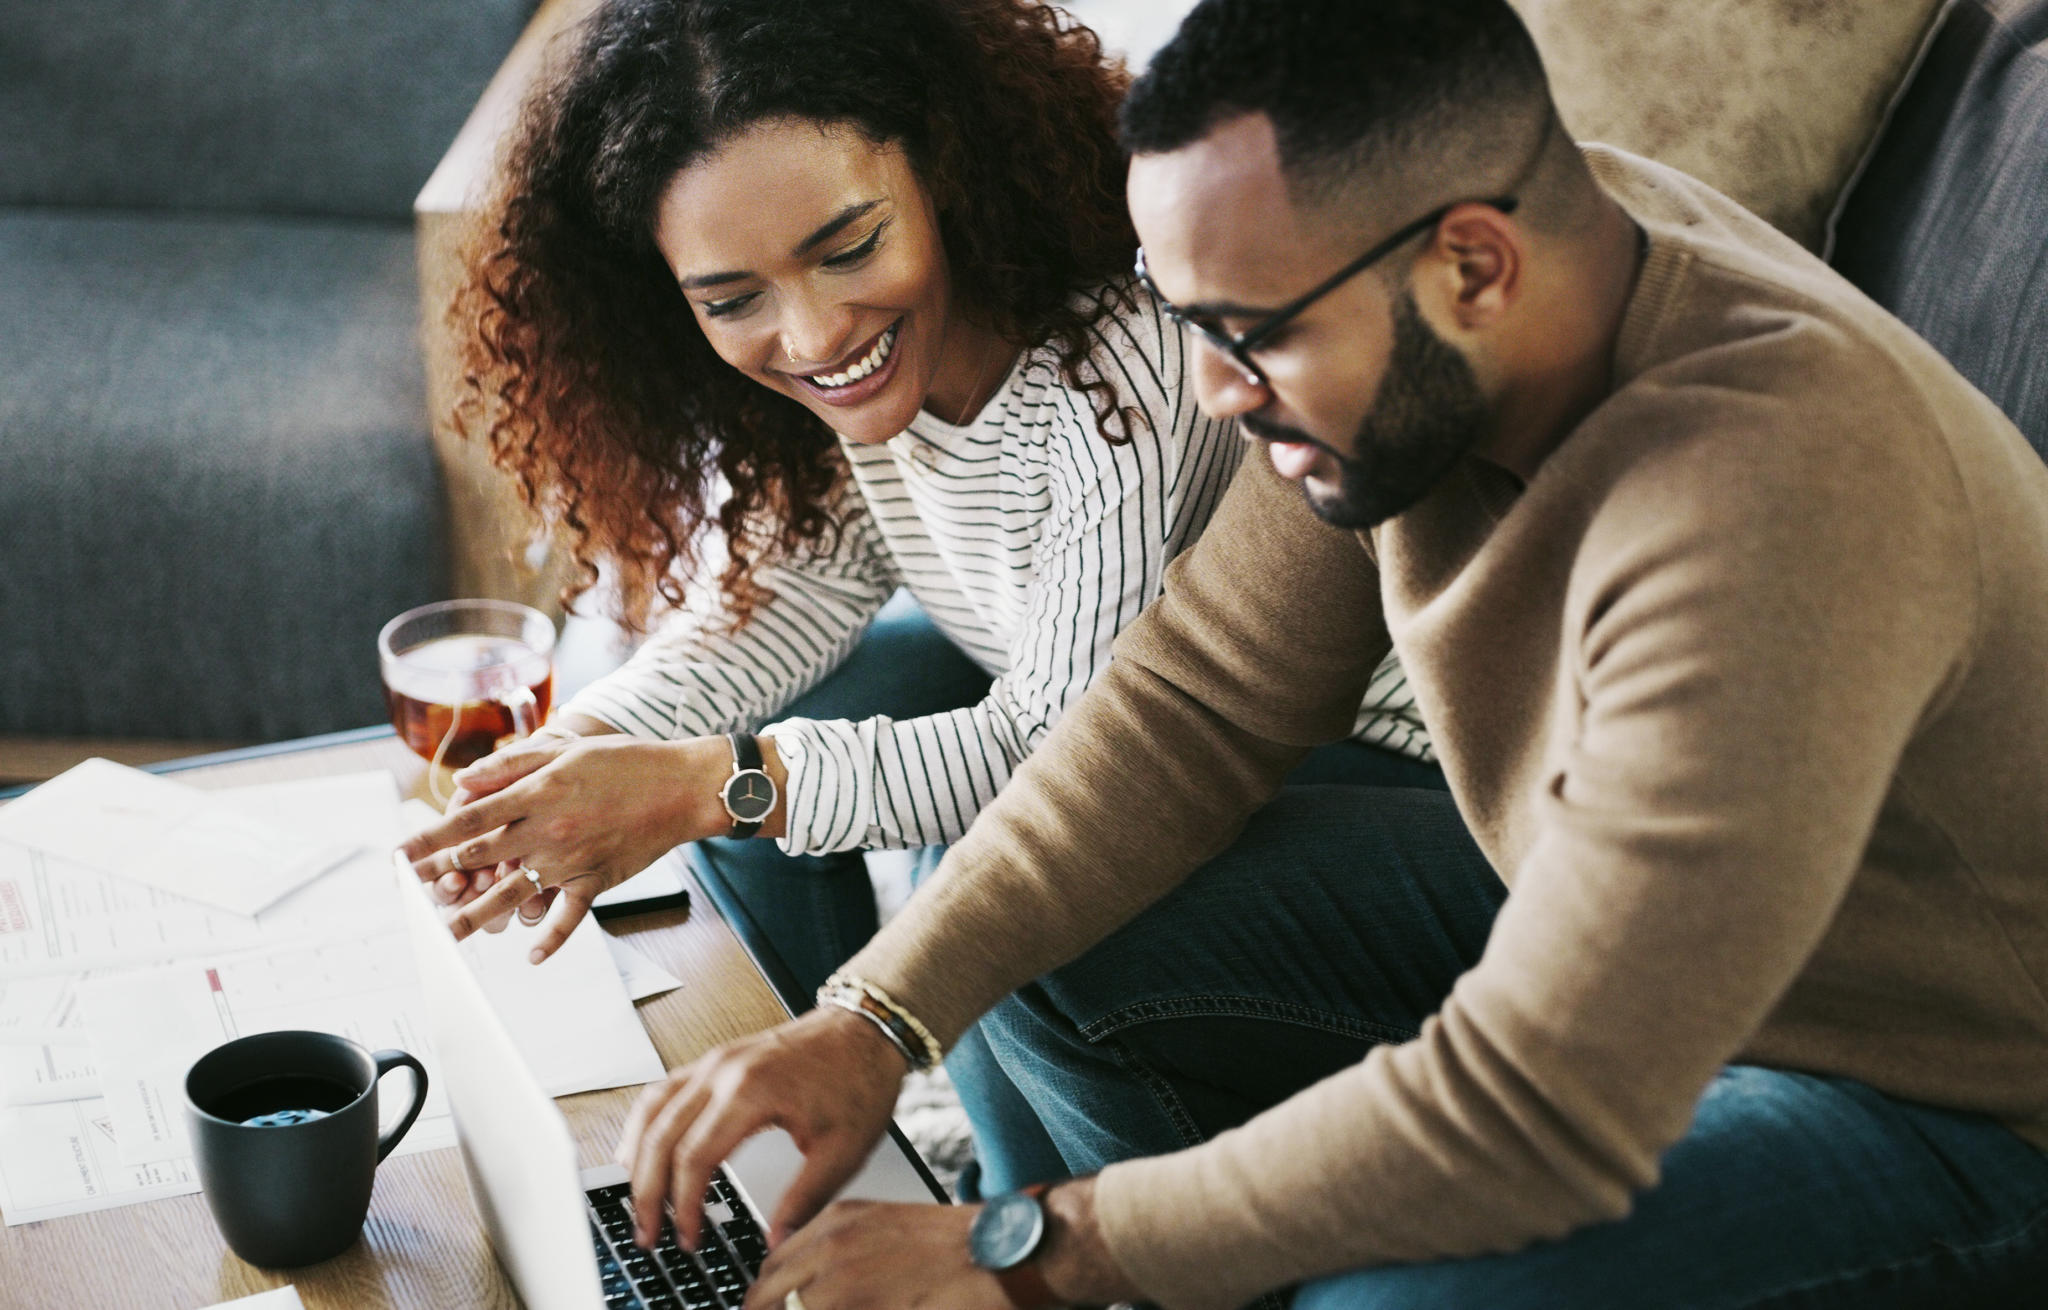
column 563, row 1234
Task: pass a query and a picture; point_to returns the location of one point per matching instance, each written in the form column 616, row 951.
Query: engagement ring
column 794, row 1301
column 535, row 875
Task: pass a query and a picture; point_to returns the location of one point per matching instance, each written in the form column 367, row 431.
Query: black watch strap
column 746, row 750
column 746, row 756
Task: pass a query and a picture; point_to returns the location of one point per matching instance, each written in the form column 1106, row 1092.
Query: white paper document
column 279, row 1298
column 59, row 917
column 61, row 1160
column 570, row 1017
column 166, row 835
column 60, row 921
column 643, row 977
column 90, row 1009
column 62, row 924
column 62, row 918
column 148, row 1027
column 45, row 1054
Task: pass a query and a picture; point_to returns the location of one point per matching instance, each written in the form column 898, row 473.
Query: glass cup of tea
column 462, row 677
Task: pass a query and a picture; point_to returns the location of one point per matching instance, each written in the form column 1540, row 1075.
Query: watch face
column 1007, row 1231
column 749, row 795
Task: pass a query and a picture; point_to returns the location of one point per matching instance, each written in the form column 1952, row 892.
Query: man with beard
column 1726, row 602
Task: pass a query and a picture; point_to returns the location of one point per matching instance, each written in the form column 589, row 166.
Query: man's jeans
column 1340, row 920
column 803, row 916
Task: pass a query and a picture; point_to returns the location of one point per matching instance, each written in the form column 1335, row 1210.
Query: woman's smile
column 871, row 370
column 811, row 256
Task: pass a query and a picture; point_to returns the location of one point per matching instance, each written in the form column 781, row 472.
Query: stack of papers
column 143, row 922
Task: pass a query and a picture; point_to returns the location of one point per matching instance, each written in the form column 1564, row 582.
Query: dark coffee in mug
column 284, row 1129
column 282, row 1101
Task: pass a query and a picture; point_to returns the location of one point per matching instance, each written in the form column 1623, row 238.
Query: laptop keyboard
column 729, row 1253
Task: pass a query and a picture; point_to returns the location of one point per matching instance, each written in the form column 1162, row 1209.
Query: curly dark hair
column 584, row 368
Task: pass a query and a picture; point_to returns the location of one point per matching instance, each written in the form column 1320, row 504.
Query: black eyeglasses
column 1237, row 348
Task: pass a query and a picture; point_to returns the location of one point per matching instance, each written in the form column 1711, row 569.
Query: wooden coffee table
column 424, row 1245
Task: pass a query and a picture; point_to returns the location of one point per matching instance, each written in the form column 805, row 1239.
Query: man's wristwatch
column 1006, row 1239
column 749, row 794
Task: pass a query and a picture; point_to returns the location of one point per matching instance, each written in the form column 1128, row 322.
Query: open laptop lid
column 520, row 1156
column 515, row 1144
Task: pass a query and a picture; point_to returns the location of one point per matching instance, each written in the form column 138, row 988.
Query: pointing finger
column 500, row 900
column 465, row 824
column 570, row 907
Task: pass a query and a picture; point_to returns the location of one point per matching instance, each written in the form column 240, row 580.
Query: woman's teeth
column 867, row 364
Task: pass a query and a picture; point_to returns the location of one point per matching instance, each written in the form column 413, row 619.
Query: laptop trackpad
column 768, row 1162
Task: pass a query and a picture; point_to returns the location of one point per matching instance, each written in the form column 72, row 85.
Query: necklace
column 975, row 401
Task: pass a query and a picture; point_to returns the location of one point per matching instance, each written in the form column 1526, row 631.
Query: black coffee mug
column 284, row 1127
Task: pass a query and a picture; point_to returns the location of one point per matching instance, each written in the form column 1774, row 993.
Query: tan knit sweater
column 1746, row 697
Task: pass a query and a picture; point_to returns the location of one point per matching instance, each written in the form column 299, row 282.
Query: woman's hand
column 508, row 764
column 583, row 813
column 828, row 1078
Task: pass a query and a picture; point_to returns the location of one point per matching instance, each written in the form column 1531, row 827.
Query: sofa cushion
column 302, row 106
column 1948, row 227
column 215, row 474
column 1771, row 101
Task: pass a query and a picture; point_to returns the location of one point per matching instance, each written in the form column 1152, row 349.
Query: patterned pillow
column 1770, row 101
column 1948, row 226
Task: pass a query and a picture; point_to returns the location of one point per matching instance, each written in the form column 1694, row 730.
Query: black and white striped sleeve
column 693, row 677
column 1111, row 519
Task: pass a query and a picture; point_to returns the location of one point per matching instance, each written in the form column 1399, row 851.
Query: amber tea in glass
column 461, row 677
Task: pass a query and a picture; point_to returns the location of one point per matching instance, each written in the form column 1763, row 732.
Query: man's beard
column 1428, row 414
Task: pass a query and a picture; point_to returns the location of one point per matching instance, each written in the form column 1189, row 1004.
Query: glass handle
column 525, row 711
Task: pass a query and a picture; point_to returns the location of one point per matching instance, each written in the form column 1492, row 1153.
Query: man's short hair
column 1349, row 85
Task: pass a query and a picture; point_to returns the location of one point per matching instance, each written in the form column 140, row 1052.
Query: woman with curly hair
column 789, row 304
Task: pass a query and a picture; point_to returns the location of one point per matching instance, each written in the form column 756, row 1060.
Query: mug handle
column 386, row 1062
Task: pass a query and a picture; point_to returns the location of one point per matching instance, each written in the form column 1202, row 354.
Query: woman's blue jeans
column 1339, row 920
column 803, row 916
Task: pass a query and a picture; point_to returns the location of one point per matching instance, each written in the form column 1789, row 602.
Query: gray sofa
column 216, row 478
column 1947, row 226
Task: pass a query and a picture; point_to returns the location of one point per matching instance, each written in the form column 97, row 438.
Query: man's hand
column 864, row 1255
column 828, row 1078
column 584, row 813
column 860, row 1255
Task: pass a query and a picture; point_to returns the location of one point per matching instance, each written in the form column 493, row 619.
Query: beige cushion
column 1772, row 101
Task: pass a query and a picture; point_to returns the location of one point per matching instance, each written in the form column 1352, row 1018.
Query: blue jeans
column 803, row 916
column 1340, row 920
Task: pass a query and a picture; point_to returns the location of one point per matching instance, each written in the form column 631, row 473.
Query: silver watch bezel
column 981, row 1234
column 725, row 795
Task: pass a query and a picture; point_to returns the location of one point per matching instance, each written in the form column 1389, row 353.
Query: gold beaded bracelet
column 902, row 1027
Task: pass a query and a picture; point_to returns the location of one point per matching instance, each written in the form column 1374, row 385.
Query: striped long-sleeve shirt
column 1029, row 540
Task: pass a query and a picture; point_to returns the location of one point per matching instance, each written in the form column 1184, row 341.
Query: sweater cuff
column 1163, row 1248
